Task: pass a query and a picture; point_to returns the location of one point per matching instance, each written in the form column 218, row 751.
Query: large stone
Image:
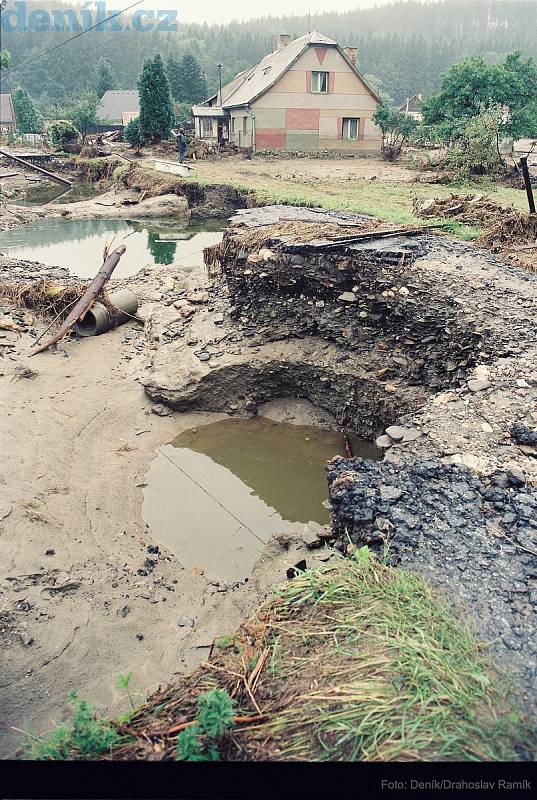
column 347, row 297
column 383, row 441
column 396, row 432
column 478, row 385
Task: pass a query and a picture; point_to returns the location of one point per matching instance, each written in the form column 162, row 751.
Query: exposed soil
column 423, row 331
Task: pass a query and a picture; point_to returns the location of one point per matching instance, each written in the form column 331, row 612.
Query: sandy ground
column 74, row 612
column 340, row 170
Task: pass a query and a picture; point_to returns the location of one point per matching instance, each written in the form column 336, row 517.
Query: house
column 117, row 107
column 412, row 107
column 306, row 95
column 7, row 114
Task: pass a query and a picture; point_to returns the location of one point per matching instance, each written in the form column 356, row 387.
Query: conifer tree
column 28, row 118
column 156, row 109
column 192, row 84
column 104, row 78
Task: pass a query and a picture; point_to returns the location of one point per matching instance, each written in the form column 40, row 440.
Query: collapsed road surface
column 427, row 337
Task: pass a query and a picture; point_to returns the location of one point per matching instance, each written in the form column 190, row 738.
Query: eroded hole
column 217, row 493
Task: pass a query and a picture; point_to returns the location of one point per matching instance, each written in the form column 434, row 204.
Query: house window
column 245, row 124
column 319, row 82
column 351, row 128
column 232, row 124
column 206, row 127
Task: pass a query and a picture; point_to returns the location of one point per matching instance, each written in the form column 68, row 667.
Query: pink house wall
column 302, row 119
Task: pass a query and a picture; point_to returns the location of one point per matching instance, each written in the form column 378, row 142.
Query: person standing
column 181, row 141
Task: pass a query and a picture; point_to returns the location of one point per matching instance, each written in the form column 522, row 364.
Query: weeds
column 214, row 719
column 86, row 738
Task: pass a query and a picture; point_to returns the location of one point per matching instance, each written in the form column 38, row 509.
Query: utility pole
column 527, row 183
column 219, row 67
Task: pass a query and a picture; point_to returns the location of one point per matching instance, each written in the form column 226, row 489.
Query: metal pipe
column 100, row 319
column 527, row 183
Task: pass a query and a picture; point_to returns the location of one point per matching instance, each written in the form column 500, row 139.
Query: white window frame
column 347, row 131
column 206, row 127
column 320, row 79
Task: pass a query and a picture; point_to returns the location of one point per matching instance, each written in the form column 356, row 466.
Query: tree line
column 403, row 47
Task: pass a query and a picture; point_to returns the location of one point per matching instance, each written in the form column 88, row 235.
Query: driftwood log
column 88, row 298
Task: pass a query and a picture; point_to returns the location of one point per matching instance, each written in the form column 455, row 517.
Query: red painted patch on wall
column 331, row 76
column 268, row 138
column 321, row 52
column 308, row 81
column 361, row 134
column 302, row 119
column 340, row 127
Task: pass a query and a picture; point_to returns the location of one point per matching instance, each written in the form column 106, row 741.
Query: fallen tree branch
column 87, row 299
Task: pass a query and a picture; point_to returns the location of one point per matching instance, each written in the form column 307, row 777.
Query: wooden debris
column 88, row 298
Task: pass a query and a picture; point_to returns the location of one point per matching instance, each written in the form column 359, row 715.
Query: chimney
column 351, row 53
column 283, row 40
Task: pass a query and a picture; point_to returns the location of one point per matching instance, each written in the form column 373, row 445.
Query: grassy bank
column 389, row 200
column 356, row 661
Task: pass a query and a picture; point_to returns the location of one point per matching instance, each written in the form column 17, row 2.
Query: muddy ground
column 78, row 435
column 85, row 596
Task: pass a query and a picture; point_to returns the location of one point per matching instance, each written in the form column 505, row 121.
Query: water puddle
column 39, row 193
column 78, row 244
column 215, row 494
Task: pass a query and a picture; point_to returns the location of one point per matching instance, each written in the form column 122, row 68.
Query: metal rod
column 527, row 182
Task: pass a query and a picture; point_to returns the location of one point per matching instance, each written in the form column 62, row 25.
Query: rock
column 467, row 460
column 5, row 510
column 187, row 311
column 204, row 356
column 396, row 432
column 198, row 297
column 161, row 410
column 523, row 435
column 389, row 494
column 347, row 297
column 185, row 622
column 478, row 385
column 516, row 477
column 310, row 537
column 218, row 319
column 383, row 441
column 180, row 303
column 50, row 551
column 300, row 566
column 410, row 435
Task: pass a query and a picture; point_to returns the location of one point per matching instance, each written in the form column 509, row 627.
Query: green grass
column 385, row 670
column 390, row 201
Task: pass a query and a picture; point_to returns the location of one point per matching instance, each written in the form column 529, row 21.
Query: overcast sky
column 227, row 10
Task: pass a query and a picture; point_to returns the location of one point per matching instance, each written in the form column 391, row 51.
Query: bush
column 396, row 128
column 63, row 133
column 476, row 152
column 132, row 133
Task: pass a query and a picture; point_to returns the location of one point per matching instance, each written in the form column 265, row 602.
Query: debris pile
column 507, row 231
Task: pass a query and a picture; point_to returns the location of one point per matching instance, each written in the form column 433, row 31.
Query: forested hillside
column 405, row 46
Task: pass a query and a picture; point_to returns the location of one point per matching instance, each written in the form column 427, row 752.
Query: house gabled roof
column 115, row 102
column 7, row 111
column 411, row 104
column 254, row 82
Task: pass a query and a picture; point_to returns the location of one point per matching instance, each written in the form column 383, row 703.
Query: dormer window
column 319, row 82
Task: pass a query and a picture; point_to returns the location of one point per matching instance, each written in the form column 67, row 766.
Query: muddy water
column 217, row 493
column 40, row 193
column 78, row 244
